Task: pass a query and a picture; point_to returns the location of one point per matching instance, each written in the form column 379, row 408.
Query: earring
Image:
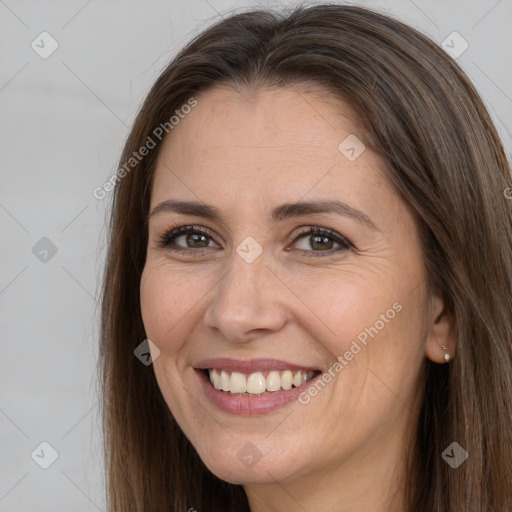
column 446, row 356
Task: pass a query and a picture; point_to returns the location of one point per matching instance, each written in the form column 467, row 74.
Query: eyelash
column 164, row 241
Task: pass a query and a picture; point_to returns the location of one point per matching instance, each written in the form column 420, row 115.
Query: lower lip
column 250, row 405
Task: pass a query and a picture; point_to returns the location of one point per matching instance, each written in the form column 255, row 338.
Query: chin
column 247, row 465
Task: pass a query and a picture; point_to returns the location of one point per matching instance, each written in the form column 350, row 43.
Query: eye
column 318, row 241
column 194, row 238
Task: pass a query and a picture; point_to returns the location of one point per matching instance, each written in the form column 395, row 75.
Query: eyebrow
column 282, row 212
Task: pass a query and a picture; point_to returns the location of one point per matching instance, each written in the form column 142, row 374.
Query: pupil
column 194, row 236
column 323, row 239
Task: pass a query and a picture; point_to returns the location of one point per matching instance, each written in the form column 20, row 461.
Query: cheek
column 167, row 314
column 343, row 309
column 372, row 328
column 166, row 306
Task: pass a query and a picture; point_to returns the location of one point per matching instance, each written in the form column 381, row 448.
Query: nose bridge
column 245, row 299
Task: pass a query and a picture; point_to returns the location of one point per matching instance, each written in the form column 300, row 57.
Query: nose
column 248, row 303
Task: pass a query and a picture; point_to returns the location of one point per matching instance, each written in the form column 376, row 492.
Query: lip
column 250, row 405
column 251, row 365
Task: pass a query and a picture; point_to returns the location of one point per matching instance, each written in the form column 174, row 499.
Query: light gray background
column 63, row 122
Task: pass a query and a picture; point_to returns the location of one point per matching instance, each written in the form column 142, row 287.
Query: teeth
column 286, row 379
column 273, row 381
column 224, row 381
column 215, row 379
column 256, row 383
column 297, row 379
column 237, row 383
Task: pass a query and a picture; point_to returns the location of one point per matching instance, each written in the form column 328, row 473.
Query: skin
column 245, row 152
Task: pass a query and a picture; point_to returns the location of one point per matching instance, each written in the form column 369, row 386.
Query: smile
column 258, row 383
column 253, row 387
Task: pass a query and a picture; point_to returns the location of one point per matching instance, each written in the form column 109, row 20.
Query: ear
column 441, row 331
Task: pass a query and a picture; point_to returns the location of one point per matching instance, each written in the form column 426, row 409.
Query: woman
column 309, row 225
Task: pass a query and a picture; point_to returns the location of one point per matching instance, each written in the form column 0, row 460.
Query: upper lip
column 250, row 365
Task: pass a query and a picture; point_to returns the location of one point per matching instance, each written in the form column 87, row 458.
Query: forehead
column 265, row 143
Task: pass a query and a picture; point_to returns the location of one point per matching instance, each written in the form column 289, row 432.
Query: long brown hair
column 442, row 153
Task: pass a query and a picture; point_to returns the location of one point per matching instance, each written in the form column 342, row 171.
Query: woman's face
column 258, row 295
